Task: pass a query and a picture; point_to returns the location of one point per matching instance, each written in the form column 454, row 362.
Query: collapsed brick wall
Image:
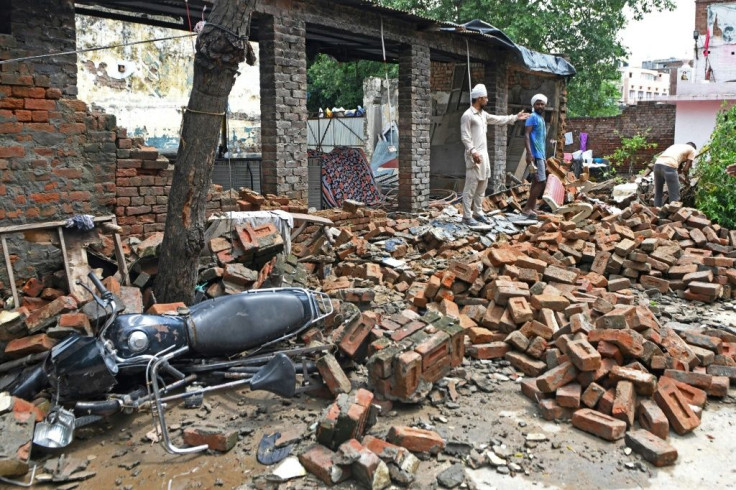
column 142, row 184
column 57, row 157
column 605, row 133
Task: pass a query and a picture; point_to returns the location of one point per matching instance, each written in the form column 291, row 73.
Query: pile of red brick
column 350, row 220
column 343, row 450
column 677, row 249
column 241, row 257
column 249, row 200
column 553, row 304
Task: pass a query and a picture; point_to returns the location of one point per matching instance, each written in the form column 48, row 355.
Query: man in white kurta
column 473, row 128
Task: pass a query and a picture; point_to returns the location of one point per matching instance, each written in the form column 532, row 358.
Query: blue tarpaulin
column 533, row 60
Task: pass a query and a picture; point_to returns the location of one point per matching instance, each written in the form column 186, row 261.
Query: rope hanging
column 470, row 85
column 392, row 147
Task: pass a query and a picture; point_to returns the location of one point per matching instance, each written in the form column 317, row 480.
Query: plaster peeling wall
column 146, row 85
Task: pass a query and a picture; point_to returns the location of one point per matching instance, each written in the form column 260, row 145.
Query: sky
column 662, row 34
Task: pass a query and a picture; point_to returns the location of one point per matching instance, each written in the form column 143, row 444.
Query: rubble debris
column 344, row 420
column 570, row 306
column 216, row 438
column 289, row 469
column 452, row 477
column 17, row 426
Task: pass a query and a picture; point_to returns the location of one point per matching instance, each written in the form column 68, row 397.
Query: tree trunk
column 220, row 50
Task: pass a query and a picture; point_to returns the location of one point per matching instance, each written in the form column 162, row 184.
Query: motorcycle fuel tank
column 139, row 334
column 231, row 324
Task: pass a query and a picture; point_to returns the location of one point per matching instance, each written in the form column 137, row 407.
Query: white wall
column 695, row 121
column 146, row 85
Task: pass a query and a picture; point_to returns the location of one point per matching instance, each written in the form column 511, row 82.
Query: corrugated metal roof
column 340, row 42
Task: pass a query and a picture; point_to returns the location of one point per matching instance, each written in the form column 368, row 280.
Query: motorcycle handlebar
column 98, row 284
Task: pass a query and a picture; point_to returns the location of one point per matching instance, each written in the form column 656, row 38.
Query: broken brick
column 317, row 460
column 215, row 438
column 599, row 424
column 416, row 440
column 653, row 419
column 333, row 375
column 624, row 403
column 652, row 448
column 681, row 417
column 557, row 377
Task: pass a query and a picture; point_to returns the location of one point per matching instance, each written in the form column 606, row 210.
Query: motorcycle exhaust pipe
column 104, row 408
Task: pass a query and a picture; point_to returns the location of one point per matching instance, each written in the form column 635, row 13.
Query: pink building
column 703, row 88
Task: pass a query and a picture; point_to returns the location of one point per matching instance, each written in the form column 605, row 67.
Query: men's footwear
column 482, row 219
column 529, row 214
column 470, row 222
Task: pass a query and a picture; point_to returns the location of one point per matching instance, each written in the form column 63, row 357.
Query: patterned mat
column 346, row 175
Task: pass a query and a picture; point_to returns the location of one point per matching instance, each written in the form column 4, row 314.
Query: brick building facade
column 58, row 157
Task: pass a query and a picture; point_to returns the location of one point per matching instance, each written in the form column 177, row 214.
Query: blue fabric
column 82, row 222
column 383, row 154
column 538, row 136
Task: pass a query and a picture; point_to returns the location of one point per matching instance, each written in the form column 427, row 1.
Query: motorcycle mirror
column 277, row 376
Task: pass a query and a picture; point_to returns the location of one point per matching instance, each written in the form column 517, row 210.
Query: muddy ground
column 498, row 420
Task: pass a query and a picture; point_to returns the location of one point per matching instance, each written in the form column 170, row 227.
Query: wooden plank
column 120, row 256
column 318, row 220
column 59, row 225
column 48, row 224
column 299, row 230
column 11, row 277
column 71, row 286
column 521, row 167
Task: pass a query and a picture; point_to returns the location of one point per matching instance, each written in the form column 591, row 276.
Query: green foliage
column 585, row 30
column 716, row 192
column 334, row 84
column 629, row 151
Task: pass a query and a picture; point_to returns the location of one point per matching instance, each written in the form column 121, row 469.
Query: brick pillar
column 496, row 79
column 562, row 126
column 415, row 110
column 283, row 69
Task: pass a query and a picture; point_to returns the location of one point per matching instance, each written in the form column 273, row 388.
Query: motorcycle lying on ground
column 222, row 343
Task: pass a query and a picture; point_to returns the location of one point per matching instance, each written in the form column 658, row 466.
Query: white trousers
column 473, row 193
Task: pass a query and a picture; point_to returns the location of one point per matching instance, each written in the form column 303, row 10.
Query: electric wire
column 99, row 48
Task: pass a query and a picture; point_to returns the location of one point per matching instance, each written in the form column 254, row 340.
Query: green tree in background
column 335, row 84
column 585, row 30
column 716, row 194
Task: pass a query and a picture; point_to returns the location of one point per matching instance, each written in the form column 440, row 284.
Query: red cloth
column 707, row 41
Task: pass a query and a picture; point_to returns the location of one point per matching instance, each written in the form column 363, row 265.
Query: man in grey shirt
column 473, row 128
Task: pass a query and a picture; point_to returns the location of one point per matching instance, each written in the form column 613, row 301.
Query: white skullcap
column 478, row 91
column 537, row 97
